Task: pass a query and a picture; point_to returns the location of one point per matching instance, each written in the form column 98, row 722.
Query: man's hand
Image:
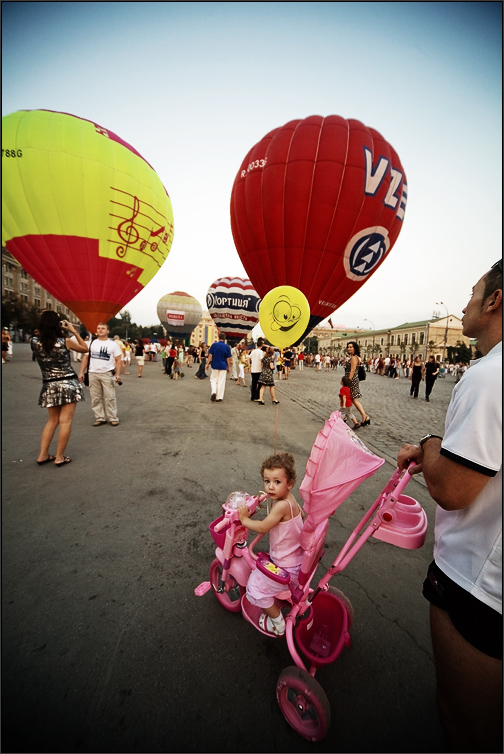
column 407, row 454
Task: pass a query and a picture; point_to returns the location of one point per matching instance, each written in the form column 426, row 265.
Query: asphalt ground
column 106, row 648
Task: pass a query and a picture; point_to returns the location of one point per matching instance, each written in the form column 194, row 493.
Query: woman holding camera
column 61, row 389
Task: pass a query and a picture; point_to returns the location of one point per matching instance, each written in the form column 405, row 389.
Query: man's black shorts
column 478, row 623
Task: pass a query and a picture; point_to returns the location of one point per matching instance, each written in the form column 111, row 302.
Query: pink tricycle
column 318, row 619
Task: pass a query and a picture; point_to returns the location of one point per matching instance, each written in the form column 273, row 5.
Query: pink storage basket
column 323, row 634
column 218, row 536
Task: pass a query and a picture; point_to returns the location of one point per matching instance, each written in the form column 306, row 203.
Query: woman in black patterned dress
column 61, row 389
column 352, row 371
column 266, row 378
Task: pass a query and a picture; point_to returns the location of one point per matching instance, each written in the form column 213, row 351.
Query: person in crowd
column 463, row 473
column 127, row 356
column 279, row 363
column 346, row 404
column 61, row 389
column 176, row 369
column 123, row 352
column 201, row 373
column 266, row 378
column 235, row 363
column 242, row 366
column 416, row 376
column 220, row 359
column 104, row 374
column 431, row 371
column 301, row 358
column 352, row 371
column 256, row 358
column 6, row 341
column 392, row 372
column 287, row 356
column 140, row 356
column 284, row 524
column 172, row 355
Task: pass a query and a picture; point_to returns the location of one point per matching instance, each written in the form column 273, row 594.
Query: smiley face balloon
column 284, row 315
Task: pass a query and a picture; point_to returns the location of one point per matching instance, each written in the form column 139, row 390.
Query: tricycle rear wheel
column 304, row 703
column 230, row 598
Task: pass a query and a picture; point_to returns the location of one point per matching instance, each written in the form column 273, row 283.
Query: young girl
column 284, row 524
column 346, row 401
column 242, row 363
column 176, row 369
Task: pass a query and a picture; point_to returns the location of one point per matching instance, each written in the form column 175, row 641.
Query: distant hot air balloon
column 233, row 305
column 82, row 211
column 317, row 204
column 179, row 313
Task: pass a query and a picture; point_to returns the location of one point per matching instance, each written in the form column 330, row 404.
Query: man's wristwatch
column 428, row 437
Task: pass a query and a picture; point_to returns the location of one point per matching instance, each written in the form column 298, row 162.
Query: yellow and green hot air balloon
column 82, row 211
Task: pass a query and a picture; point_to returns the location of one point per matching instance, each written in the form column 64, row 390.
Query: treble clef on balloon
column 128, row 231
column 144, row 228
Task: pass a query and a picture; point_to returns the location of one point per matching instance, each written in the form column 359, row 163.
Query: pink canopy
column 338, row 463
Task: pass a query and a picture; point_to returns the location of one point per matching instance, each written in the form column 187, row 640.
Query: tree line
column 22, row 318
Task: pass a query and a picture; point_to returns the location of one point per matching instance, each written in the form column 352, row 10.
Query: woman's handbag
column 361, row 373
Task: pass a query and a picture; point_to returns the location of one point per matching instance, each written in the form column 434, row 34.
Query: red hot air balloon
column 318, row 204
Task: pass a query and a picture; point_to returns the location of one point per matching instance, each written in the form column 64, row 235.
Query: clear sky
column 193, row 86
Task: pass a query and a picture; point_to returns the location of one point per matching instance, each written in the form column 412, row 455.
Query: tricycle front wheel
column 230, row 598
column 304, row 703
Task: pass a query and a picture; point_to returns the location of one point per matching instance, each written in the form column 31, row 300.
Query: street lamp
column 368, row 320
column 440, row 303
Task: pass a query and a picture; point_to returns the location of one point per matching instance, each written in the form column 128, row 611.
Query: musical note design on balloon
column 127, row 230
column 141, row 228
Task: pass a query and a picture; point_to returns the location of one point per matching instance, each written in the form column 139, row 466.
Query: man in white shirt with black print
column 104, row 372
column 463, row 472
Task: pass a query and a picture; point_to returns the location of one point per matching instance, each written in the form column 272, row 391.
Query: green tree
column 311, row 344
column 19, row 315
column 459, row 352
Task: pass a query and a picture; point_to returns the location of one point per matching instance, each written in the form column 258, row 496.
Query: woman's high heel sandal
column 366, row 423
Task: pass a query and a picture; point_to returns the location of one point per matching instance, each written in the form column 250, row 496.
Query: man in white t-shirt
column 463, row 472
column 256, row 358
column 104, row 373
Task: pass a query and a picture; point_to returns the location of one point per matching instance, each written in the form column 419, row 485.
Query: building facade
column 426, row 338
column 205, row 331
column 17, row 282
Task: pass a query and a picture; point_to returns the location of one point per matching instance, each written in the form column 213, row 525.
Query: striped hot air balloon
column 233, row 305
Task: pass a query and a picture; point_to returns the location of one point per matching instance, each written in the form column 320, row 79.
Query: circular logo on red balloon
column 365, row 251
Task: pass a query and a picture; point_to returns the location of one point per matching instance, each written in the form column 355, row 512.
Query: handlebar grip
column 221, row 524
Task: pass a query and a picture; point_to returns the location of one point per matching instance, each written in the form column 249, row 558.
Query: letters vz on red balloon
column 318, row 204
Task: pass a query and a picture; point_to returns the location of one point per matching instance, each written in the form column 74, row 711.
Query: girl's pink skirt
column 261, row 590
